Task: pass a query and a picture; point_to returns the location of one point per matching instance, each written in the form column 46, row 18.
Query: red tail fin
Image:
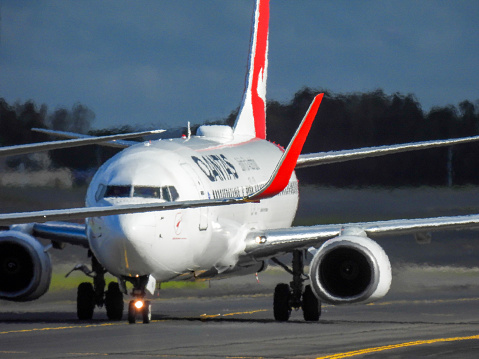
column 251, row 121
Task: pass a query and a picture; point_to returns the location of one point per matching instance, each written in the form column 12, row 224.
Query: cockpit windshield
column 167, row 193
column 117, row 191
column 147, row 192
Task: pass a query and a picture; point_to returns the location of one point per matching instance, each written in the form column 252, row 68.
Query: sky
column 159, row 64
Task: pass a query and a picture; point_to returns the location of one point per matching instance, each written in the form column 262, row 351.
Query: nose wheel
column 139, row 308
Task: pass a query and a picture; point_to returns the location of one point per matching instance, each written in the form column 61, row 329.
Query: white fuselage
column 170, row 243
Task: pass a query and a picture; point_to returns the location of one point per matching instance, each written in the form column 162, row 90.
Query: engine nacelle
column 25, row 267
column 351, row 268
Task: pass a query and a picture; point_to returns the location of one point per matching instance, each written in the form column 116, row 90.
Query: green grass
column 60, row 283
column 185, row 285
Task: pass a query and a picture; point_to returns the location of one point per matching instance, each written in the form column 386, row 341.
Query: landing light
column 260, row 239
column 139, row 304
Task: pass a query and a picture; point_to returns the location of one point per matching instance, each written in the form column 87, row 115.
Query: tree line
column 16, row 121
column 344, row 121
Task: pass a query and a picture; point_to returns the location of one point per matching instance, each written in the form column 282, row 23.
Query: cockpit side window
column 117, row 191
column 100, row 192
column 173, row 193
column 165, row 194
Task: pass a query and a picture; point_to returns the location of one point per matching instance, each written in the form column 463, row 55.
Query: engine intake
column 25, row 267
column 350, row 269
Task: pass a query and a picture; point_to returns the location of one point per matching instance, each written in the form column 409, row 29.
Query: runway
column 441, row 320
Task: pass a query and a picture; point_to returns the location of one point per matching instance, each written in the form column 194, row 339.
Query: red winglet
column 281, row 175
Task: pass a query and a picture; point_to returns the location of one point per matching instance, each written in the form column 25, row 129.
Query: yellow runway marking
column 207, row 316
column 11, row 352
column 396, row 346
column 60, row 328
column 202, row 316
column 425, row 301
column 89, row 354
column 250, row 312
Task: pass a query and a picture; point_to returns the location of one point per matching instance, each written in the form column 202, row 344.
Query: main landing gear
column 90, row 295
column 291, row 296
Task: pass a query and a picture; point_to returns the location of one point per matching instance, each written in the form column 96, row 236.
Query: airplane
column 214, row 205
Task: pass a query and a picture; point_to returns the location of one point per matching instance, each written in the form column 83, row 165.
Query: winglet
column 281, row 175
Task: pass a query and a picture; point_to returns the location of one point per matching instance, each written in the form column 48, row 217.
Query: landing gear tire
column 146, row 312
column 131, row 312
column 114, row 302
column 281, row 302
column 311, row 305
column 85, row 301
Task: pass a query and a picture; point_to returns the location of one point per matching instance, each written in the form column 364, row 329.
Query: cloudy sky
column 164, row 63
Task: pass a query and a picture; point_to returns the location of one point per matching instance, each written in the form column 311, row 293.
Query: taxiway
column 440, row 319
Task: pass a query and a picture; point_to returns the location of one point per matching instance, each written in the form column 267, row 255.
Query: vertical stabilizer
column 251, row 121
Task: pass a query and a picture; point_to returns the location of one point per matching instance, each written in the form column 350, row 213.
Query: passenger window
column 118, row 191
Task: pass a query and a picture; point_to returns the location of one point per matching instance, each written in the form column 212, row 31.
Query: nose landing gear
column 139, row 306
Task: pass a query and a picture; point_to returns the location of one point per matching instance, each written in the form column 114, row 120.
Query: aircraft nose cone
column 124, row 245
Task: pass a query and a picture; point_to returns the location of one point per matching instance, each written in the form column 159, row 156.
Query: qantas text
column 216, row 167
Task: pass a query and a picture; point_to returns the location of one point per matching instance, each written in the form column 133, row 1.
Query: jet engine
column 25, row 267
column 350, row 268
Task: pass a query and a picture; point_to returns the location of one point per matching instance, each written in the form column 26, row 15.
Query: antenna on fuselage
column 189, row 130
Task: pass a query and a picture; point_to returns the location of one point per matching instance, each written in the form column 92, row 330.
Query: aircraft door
column 203, row 225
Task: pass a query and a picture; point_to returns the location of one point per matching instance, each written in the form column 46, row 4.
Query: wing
column 85, row 212
column 275, row 185
column 81, row 140
column 121, row 143
column 322, row 158
column 269, row 243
